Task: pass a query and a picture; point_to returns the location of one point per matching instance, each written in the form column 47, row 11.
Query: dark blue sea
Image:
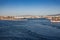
column 30, row 29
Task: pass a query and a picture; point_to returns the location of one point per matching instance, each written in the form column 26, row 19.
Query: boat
column 55, row 19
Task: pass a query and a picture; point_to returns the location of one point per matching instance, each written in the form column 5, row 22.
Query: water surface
column 31, row 29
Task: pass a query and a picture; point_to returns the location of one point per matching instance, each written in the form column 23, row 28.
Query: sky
column 29, row 7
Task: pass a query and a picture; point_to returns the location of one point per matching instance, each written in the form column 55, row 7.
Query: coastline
column 18, row 18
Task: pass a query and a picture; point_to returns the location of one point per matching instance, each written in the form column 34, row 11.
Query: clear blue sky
column 29, row 7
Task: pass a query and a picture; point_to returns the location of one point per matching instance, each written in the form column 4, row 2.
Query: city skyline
column 29, row 7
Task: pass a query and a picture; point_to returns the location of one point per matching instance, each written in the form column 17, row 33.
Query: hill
column 54, row 15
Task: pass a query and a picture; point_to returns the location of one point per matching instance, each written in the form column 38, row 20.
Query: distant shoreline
column 51, row 18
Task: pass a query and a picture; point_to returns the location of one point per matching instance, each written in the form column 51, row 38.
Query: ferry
column 55, row 19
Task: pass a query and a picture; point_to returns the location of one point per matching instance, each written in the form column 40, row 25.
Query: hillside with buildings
column 53, row 18
column 18, row 17
column 55, row 15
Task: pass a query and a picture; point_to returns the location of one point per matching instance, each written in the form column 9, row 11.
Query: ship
column 55, row 19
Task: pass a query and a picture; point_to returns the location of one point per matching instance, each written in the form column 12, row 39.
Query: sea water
column 30, row 29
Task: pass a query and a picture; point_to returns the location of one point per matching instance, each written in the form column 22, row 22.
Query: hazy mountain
column 54, row 15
